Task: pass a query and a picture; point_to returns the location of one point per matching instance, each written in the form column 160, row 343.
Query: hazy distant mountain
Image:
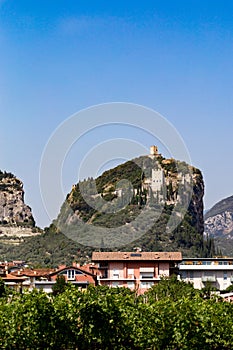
column 219, row 225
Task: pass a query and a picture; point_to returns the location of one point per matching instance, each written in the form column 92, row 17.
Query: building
column 153, row 150
column 44, row 279
column 9, row 278
column 217, row 271
column 135, row 270
column 74, row 274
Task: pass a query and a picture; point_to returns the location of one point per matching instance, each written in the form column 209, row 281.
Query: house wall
column 133, row 274
column 164, row 269
column 220, row 276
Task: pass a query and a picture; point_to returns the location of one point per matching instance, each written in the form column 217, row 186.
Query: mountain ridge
column 178, row 179
column 124, row 198
column 219, row 225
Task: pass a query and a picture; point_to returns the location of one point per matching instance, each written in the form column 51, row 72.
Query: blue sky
column 58, row 57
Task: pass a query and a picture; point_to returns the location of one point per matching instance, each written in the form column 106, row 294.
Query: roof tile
column 136, row 256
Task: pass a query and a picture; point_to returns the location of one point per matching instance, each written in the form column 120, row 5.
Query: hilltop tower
column 153, row 150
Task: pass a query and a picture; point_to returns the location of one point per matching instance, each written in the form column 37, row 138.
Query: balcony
column 212, row 267
column 117, row 278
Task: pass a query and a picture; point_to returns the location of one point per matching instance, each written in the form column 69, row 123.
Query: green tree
column 60, row 285
column 172, row 288
column 2, row 288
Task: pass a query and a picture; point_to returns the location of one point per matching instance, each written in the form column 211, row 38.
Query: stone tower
column 153, row 150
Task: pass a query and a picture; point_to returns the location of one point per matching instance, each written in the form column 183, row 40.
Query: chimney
column 75, row 264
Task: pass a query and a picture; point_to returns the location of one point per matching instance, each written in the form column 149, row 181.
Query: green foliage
column 229, row 288
column 171, row 288
column 60, row 285
column 28, row 322
column 49, row 249
column 3, row 290
column 168, row 317
column 207, row 291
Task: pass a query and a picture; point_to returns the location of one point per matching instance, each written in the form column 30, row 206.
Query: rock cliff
column 127, row 199
column 13, row 210
column 219, row 225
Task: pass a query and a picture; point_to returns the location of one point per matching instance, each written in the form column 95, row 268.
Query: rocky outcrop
column 13, row 210
column 219, row 219
column 153, row 202
column 219, row 225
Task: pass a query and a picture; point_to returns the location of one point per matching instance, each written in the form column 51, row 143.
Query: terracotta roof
column 55, row 272
column 84, row 278
column 33, row 272
column 136, row 256
column 11, row 278
column 90, row 268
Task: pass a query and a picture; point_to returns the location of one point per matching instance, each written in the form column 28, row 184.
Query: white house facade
column 217, row 271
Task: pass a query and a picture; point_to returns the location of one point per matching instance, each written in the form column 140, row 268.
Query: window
column 208, row 273
column 130, row 285
column 115, row 274
column 145, row 285
column 146, row 272
column 184, row 274
column 135, row 254
column 115, row 284
column 145, row 275
column 70, row 274
column 191, row 275
column 225, row 275
column 206, row 263
column 130, row 273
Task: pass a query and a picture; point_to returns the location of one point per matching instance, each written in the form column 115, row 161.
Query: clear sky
column 174, row 56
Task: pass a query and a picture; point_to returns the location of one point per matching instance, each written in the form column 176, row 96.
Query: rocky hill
column 21, row 240
column 150, row 202
column 13, row 210
column 16, row 219
column 219, row 225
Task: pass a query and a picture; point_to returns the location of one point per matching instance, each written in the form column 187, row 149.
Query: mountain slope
column 219, row 225
column 138, row 203
column 16, row 219
column 13, row 210
column 150, row 202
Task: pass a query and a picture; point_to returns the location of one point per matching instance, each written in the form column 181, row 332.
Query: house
column 44, row 279
column 13, row 282
column 9, row 278
column 33, row 276
column 135, row 270
column 74, row 274
column 200, row 271
column 227, row 297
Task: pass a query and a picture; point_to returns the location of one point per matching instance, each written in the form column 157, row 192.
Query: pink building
column 135, row 270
